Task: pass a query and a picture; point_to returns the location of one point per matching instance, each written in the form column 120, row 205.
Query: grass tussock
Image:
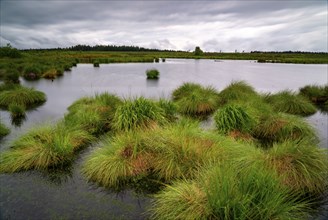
column 93, row 114
column 152, row 74
column 44, row 147
column 195, row 100
column 277, row 128
column 23, row 96
column 237, row 91
column 138, row 113
column 228, row 192
column 301, row 164
column 3, row 130
column 291, row 103
column 233, row 118
column 16, row 111
column 315, row 93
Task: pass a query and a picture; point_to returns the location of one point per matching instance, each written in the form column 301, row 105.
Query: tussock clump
column 195, row 100
column 282, row 127
column 233, row 118
column 138, row 113
column 3, row 130
column 289, row 102
column 93, row 114
column 44, row 147
column 315, row 93
column 19, row 95
column 16, row 111
column 302, row 165
column 237, row 91
column 152, row 74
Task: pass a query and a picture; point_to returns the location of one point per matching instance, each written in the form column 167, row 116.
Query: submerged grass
column 289, row 102
column 19, row 95
column 44, row 147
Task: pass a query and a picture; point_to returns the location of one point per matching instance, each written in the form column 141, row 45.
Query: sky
column 216, row 25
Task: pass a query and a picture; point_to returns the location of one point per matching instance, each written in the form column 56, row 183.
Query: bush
column 152, row 74
column 44, row 147
column 138, row 113
column 233, row 118
column 289, row 102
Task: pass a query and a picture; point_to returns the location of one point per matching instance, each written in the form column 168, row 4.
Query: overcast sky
column 180, row 25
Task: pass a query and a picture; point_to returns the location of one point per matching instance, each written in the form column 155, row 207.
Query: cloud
column 181, row 25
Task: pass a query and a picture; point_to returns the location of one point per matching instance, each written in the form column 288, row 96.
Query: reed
column 44, row 147
column 289, row 102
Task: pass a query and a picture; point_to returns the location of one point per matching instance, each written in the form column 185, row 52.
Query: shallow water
column 32, row 195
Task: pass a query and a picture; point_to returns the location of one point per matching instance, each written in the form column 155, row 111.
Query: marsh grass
column 289, row 102
column 170, row 109
column 3, row 130
column 152, row 74
column 302, row 165
column 233, row 118
column 237, row 91
column 93, row 114
column 44, row 147
column 280, row 127
column 50, row 74
column 138, row 113
column 19, row 95
column 96, row 63
column 195, row 101
column 16, row 111
column 315, row 93
column 228, row 192
column 32, row 72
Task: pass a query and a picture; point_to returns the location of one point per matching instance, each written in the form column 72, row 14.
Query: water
column 33, row 195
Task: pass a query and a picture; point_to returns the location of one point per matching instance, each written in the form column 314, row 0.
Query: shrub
column 19, row 95
column 233, row 118
column 289, row 102
column 138, row 113
column 44, row 147
column 315, row 93
column 152, row 74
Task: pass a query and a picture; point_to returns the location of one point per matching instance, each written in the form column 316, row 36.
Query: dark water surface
column 34, row 195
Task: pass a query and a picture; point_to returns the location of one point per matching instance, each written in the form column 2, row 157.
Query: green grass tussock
column 315, row 93
column 233, row 117
column 152, row 74
column 280, row 127
column 93, row 114
column 16, row 111
column 302, row 165
column 228, row 192
column 237, row 91
column 3, row 130
column 19, row 95
column 170, row 109
column 194, row 100
column 138, row 113
column 44, row 147
column 289, row 102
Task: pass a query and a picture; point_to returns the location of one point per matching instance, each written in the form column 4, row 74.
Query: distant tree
column 198, row 51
